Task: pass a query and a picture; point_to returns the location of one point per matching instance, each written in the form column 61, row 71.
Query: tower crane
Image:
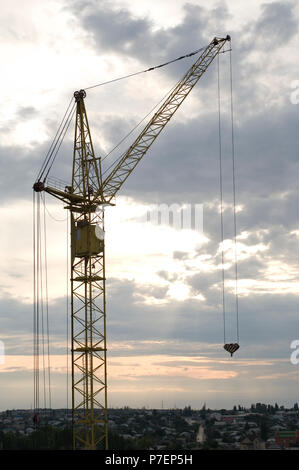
column 86, row 199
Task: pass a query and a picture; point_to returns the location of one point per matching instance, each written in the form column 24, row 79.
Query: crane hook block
column 231, row 348
column 38, row 186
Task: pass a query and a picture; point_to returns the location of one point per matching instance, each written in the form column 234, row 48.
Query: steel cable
column 62, row 133
column 47, row 307
column 234, row 192
column 52, row 146
column 41, row 328
column 150, row 69
column 221, row 198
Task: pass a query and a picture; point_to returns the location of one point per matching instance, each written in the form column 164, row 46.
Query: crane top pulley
column 79, row 95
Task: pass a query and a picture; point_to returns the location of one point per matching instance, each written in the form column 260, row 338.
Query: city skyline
column 164, row 306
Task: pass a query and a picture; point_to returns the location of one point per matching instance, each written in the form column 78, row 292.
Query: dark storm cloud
column 19, row 172
column 261, row 317
column 183, row 166
column 151, row 291
column 22, row 114
column 248, row 269
column 117, row 30
column 180, row 254
column 23, row 162
column 112, row 28
column 197, row 324
column 22, row 165
column 202, row 282
column 26, row 112
column 16, row 325
column 277, row 23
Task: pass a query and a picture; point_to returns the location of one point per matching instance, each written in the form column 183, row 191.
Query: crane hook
column 231, row 347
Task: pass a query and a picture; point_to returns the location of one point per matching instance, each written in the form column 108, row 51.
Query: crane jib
column 139, row 148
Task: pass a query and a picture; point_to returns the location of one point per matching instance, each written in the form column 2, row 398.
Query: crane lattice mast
column 86, row 199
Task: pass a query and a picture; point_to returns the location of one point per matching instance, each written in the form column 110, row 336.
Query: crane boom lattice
column 138, row 149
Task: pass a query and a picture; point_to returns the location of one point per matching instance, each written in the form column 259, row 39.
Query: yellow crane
column 86, row 199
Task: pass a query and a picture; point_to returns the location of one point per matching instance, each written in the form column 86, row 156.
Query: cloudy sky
column 164, row 313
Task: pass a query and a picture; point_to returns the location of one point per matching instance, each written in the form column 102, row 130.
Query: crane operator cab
column 85, row 239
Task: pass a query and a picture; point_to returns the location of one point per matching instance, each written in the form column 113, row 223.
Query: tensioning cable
column 150, row 69
column 67, row 118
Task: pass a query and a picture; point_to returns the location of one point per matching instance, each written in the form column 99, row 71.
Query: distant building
column 29, row 430
column 216, row 416
column 286, row 438
column 201, row 435
column 228, row 419
column 252, row 444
